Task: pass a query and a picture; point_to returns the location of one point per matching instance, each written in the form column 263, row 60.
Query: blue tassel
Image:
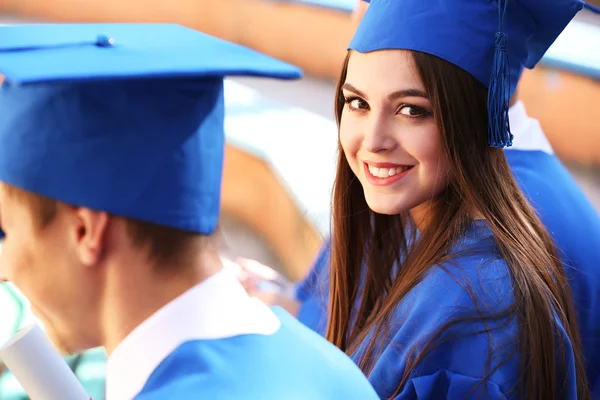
column 499, row 134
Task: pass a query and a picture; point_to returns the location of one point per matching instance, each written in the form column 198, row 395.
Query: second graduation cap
column 122, row 118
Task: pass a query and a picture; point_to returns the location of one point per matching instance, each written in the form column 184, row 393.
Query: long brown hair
column 362, row 301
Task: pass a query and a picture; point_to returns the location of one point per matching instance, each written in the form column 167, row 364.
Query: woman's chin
column 386, row 206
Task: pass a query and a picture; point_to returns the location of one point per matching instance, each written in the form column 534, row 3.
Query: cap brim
column 69, row 52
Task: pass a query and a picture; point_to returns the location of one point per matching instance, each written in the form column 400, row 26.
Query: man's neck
column 134, row 292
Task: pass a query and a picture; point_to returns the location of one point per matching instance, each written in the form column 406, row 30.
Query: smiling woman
column 389, row 135
column 444, row 283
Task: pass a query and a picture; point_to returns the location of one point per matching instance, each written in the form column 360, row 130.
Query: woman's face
column 389, row 135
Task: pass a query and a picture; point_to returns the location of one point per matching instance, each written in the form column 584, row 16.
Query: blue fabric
column 69, row 52
column 477, row 279
column 293, row 363
column 313, row 293
column 573, row 52
column 492, row 40
column 574, row 225
column 568, row 216
column 463, row 32
column 135, row 128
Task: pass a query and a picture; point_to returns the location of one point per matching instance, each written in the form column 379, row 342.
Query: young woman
column 443, row 282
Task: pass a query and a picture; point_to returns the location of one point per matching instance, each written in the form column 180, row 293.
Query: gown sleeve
column 312, row 293
column 456, row 322
column 454, row 325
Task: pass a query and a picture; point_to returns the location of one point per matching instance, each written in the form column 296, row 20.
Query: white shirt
column 527, row 132
column 218, row 307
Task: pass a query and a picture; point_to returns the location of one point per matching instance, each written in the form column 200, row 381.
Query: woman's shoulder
column 457, row 321
column 473, row 276
column 474, row 289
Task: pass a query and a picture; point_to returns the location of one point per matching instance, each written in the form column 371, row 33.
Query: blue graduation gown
column 574, row 225
column 313, row 293
column 455, row 369
column 293, row 363
column 561, row 205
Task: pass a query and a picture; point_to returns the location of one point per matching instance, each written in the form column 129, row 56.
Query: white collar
column 528, row 134
column 218, row 307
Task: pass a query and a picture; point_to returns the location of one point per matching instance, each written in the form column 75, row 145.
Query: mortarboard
column 122, row 118
column 490, row 39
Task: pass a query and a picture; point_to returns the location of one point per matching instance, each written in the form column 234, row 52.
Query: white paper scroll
column 39, row 368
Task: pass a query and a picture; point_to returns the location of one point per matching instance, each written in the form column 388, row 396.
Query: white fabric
column 218, row 307
column 528, row 134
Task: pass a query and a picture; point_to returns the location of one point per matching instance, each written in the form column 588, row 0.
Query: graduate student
column 443, row 282
column 567, row 214
column 111, row 152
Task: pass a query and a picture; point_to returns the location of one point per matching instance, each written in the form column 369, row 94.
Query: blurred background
column 281, row 136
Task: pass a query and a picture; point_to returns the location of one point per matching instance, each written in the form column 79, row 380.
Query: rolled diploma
column 38, row 367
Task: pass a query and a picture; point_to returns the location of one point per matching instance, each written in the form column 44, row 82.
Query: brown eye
column 356, row 103
column 413, row 111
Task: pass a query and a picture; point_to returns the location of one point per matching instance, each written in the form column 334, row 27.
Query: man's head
column 111, row 152
column 57, row 275
column 61, row 255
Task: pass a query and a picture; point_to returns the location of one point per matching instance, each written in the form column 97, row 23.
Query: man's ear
column 90, row 234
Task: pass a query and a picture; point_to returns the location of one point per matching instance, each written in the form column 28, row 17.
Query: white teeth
column 386, row 172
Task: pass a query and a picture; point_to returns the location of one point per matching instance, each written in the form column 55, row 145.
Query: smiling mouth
column 387, row 172
column 388, row 175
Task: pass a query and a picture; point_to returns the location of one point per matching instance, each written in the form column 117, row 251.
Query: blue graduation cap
column 122, row 118
column 490, row 39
